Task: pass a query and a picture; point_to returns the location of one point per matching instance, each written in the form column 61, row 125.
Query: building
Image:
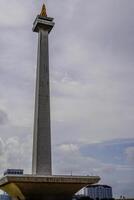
column 98, row 191
column 13, row 172
column 5, row 196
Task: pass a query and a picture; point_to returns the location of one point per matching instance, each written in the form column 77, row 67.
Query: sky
column 92, row 88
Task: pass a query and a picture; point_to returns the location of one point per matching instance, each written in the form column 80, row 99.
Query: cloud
column 3, row 117
column 106, row 159
column 68, row 159
column 91, row 83
column 109, row 151
column 92, row 79
column 15, row 154
column 68, row 147
column 1, row 147
column 10, row 18
column 130, row 154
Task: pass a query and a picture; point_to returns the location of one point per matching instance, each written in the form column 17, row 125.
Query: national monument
column 41, row 184
column 42, row 133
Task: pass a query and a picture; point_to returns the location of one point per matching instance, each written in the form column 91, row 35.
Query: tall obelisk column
column 41, row 164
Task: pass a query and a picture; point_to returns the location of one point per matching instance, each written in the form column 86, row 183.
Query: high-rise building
column 5, row 196
column 98, row 191
column 13, row 172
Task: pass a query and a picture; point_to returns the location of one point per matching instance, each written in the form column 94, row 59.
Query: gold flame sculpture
column 43, row 11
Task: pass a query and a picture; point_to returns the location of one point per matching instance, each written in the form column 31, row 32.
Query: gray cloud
column 130, row 154
column 3, row 117
column 1, row 146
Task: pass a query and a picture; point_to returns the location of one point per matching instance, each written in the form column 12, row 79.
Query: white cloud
column 68, row 159
column 15, row 154
column 68, row 147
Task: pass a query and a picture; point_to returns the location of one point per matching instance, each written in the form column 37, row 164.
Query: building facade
column 5, row 196
column 98, row 192
column 14, row 172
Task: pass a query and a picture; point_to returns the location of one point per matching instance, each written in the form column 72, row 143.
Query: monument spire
column 43, row 11
column 41, row 164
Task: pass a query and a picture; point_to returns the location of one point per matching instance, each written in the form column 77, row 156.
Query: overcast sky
column 92, row 87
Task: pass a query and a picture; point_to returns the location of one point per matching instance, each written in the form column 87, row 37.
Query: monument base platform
column 33, row 187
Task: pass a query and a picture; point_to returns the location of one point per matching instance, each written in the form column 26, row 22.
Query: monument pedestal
column 31, row 187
